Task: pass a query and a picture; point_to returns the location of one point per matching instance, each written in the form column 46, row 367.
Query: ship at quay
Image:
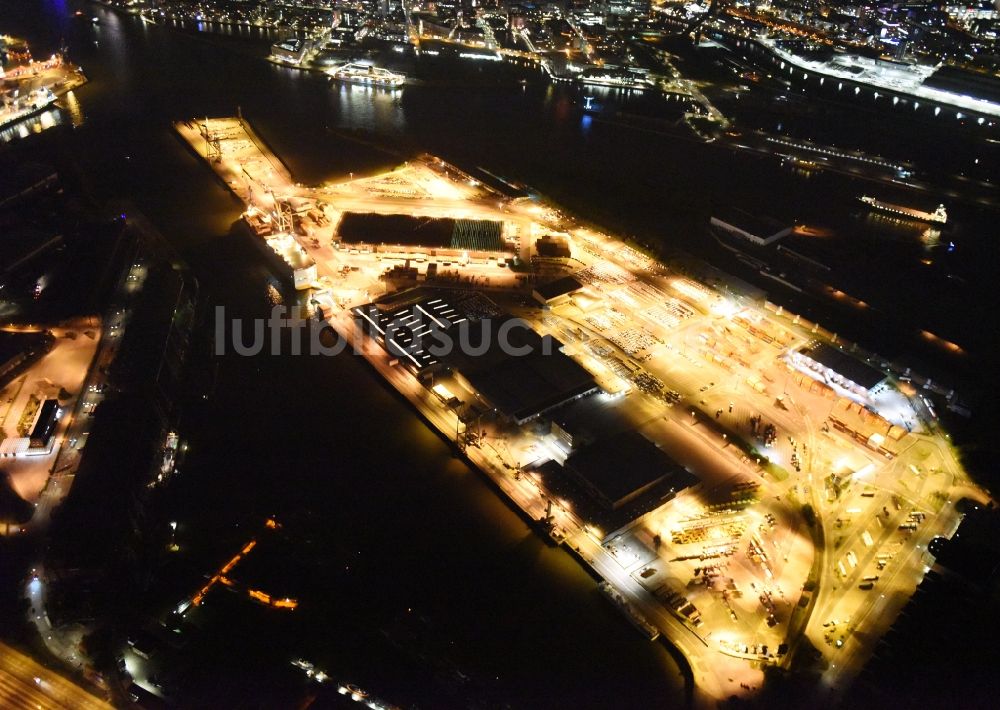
column 366, row 75
column 938, row 216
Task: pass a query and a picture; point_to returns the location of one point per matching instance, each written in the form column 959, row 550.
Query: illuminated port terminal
column 750, row 424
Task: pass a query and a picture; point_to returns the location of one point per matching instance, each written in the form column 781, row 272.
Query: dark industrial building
column 550, row 247
column 475, row 235
column 836, row 366
column 45, row 424
column 511, row 368
column 557, row 291
column 522, row 387
column 984, row 87
column 619, row 469
column 755, row 229
column 579, row 423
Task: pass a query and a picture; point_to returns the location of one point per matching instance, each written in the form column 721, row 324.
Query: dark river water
column 386, row 525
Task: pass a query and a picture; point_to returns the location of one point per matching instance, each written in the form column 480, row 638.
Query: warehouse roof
column 559, row 287
column 848, row 367
column 623, row 466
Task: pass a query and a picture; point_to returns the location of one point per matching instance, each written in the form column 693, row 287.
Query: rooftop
column 553, row 247
column 395, row 229
column 407, row 326
column 959, row 81
column 519, row 385
column 759, row 225
column 45, row 425
column 559, row 287
column 625, row 465
column 592, row 418
column 832, row 358
column 431, row 232
column 522, row 386
column 477, row 235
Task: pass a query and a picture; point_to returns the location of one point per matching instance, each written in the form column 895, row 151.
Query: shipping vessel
column 938, row 216
column 367, row 74
column 617, row 79
column 26, row 106
column 286, row 257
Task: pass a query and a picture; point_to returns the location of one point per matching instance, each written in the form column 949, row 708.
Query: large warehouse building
column 405, row 330
column 620, row 469
column 834, row 366
column 509, row 367
column 762, row 231
column 556, row 292
column 394, row 233
column 522, row 387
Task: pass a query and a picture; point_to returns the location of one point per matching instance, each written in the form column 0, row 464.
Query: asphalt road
column 26, row 685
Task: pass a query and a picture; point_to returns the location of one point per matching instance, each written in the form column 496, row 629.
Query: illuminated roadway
column 27, row 685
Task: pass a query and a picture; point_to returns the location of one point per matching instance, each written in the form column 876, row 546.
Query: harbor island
column 746, row 485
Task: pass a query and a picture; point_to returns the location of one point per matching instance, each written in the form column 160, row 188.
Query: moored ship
column 367, row 74
column 938, row 216
column 617, row 79
column 285, row 255
column 25, row 107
